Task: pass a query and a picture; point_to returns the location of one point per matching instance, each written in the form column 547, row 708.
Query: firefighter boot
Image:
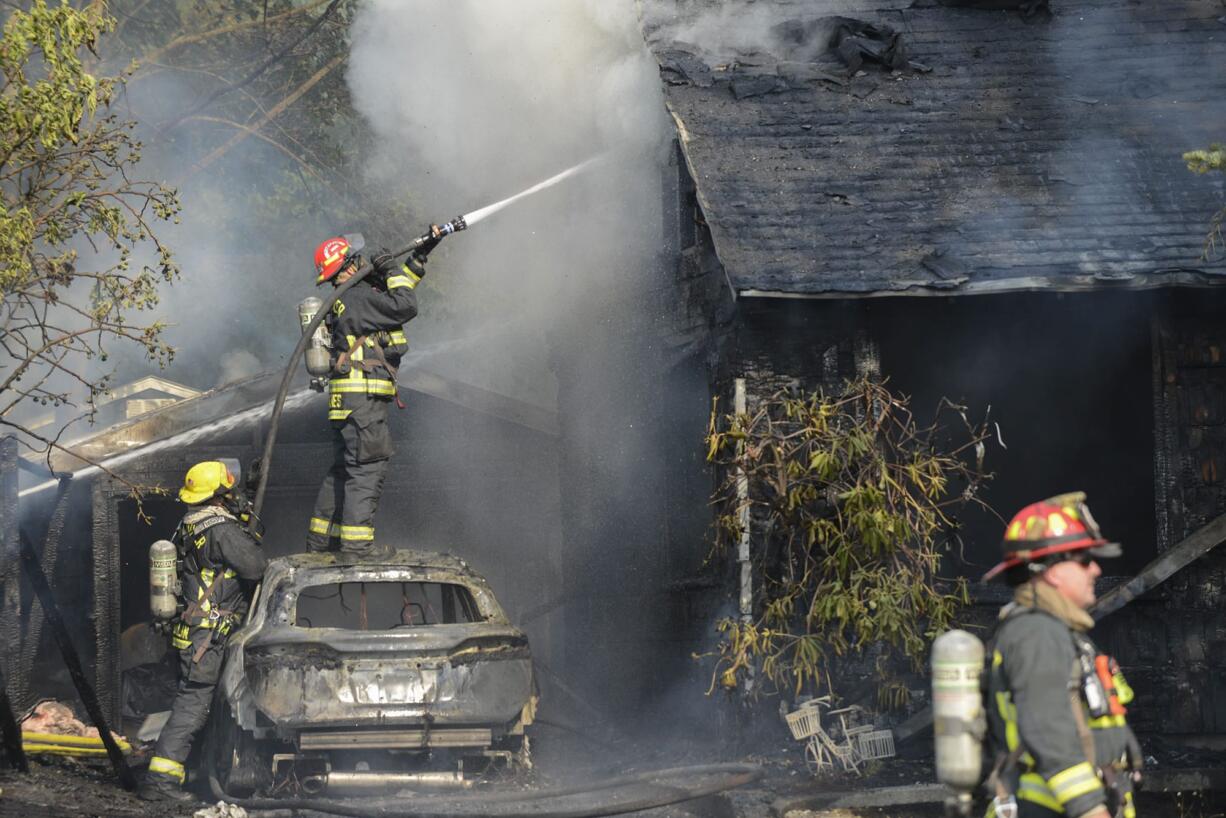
column 161, row 788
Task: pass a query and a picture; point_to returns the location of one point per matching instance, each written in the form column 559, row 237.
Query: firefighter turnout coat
column 1056, row 709
column 221, row 561
column 367, row 326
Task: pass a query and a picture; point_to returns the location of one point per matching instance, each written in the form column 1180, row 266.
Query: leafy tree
column 248, row 97
column 1213, row 159
column 79, row 256
column 849, row 506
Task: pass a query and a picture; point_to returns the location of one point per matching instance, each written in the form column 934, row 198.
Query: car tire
column 236, row 757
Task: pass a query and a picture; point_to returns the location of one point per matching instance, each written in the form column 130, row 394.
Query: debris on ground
column 52, row 728
column 221, row 810
column 51, row 716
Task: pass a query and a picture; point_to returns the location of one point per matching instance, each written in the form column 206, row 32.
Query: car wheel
column 237, row 758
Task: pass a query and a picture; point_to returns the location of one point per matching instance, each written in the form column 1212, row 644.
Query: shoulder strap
column 197, row 605
column 1079, row 715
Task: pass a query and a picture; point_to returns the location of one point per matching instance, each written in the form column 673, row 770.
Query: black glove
column 384, row 262
column 382, row 265
column 252, row 481
column 416, row 264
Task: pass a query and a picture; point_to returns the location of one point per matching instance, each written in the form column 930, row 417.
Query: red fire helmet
column 1043, row 530
column 332, row 255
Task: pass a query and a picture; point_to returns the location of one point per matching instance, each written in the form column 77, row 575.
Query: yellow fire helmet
column 205, row 481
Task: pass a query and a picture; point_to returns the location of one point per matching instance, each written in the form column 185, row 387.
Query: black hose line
column 724, row 777
column 275, row 419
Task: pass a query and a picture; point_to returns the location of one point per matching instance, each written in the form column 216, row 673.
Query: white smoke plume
column 472, row 101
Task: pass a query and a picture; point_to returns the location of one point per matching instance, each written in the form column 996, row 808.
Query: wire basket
column 876, row 744
column 805, row 722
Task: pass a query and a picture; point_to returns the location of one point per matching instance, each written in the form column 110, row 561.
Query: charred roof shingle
column 1032, row 155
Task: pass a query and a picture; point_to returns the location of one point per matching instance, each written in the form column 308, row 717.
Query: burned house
column 985, row 204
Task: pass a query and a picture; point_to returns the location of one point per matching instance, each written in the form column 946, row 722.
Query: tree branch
column 188, row 39
column 273, row 113
column 269, row 63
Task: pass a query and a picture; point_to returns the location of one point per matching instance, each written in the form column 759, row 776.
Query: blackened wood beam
column 1187, row 551
column 38, row 582
column 1191, row 548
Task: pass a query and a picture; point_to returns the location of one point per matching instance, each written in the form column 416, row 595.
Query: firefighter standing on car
column 367, row 335
column 220, row 563
column 1056, row 704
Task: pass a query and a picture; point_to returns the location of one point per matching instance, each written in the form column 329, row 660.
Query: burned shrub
column 849, row 504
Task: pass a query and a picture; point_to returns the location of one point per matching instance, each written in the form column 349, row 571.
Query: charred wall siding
column 1172, row 643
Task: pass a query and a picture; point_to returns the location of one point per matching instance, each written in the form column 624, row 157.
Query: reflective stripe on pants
column 344, row 515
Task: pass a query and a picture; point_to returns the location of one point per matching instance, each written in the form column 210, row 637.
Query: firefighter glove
column 383, row 262
column 416, row 262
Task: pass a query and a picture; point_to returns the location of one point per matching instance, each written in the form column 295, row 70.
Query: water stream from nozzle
column 259, row 412
column 489, row 210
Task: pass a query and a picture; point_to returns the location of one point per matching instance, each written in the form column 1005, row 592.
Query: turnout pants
column 190, row 710
column 344, row 516
column 1120, row 803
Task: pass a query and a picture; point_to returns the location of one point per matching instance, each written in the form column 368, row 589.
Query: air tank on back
column 163, row 580
column 317, row 358
column 958, row 718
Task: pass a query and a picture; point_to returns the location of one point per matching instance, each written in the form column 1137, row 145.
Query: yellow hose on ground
column 55, row 744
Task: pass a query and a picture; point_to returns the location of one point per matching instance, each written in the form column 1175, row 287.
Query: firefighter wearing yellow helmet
column 220, row 563
column 1056, row 704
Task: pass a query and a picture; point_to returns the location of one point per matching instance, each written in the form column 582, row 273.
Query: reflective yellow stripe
column 1103, row 722
column 1130, row 811
column 165, row 766
column 319, row 526
column 407, row 278
column 1122, row 689
column 369, row 386
column 339, row 414
column 398, row 338
column 357, row 532
column 1004, row 706
column 1074, row 782
column 1032, row 788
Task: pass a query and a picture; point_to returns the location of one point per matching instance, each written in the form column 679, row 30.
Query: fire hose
column 724, row 777
column 423, row 244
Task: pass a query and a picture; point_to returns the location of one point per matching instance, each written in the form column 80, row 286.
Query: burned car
column 373, row 674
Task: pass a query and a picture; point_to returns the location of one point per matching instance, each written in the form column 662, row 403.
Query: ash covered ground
column 75, row 789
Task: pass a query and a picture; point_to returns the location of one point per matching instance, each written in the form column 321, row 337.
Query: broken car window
column 378, row 606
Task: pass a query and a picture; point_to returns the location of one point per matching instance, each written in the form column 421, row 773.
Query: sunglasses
column 1082, row 558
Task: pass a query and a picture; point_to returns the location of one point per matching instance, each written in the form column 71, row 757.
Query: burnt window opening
column 380, row 606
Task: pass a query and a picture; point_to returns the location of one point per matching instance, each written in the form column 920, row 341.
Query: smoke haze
column 471, row 102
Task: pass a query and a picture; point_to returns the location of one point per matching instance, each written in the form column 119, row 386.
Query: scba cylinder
column 957, row 709
column 317, row 357
column 163, row 579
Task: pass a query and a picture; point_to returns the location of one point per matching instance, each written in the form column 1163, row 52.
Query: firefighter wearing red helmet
column 1056, row 704
column 367, row 333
